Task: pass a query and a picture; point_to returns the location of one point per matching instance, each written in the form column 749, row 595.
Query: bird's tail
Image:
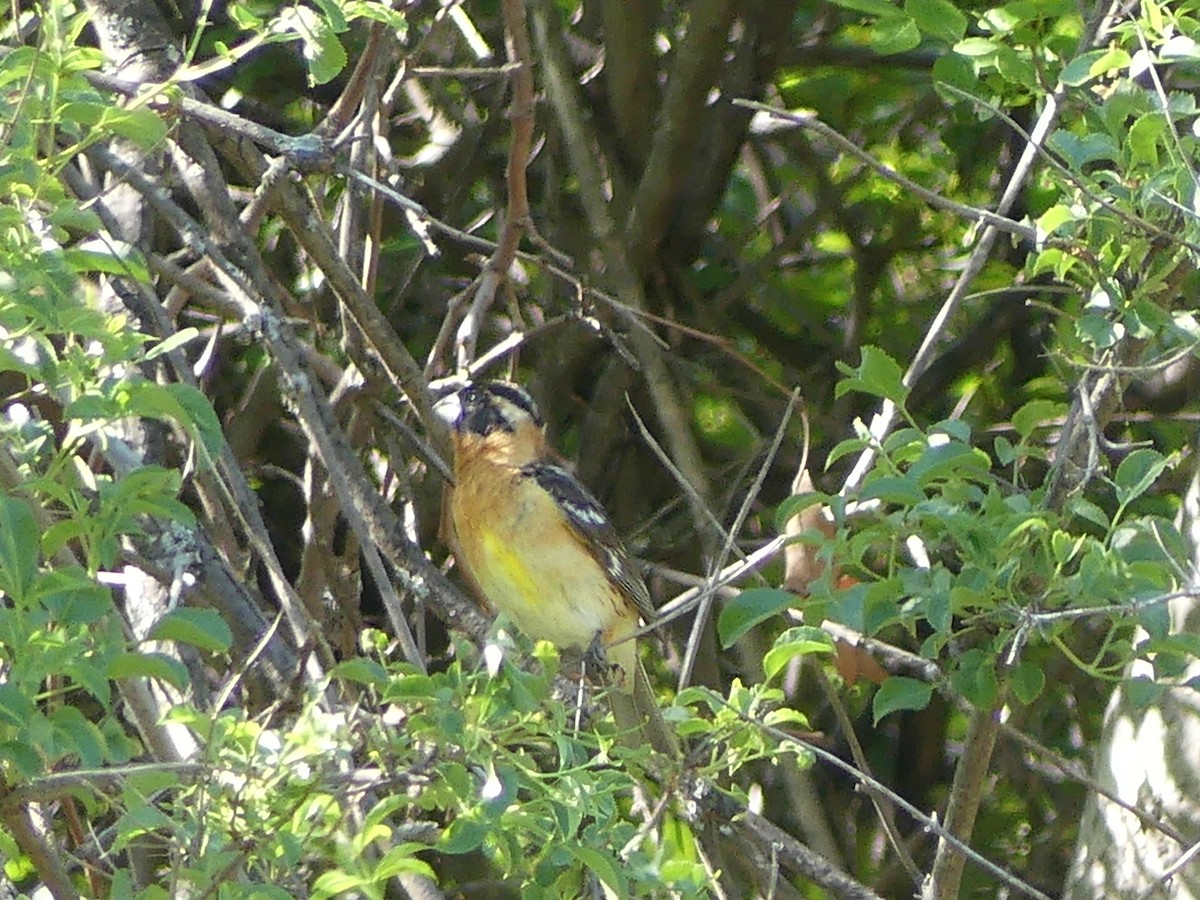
column 638, row 718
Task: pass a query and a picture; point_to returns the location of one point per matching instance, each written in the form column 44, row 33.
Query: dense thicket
column 913, row 284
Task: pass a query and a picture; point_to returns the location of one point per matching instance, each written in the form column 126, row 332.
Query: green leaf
column 202, row 628
column 977, row 48
column 111, row 257
column 1078, row 71
column 19, row 537
column 901, row 490
column 1027, row 680
column 957, row 72
column 1144, row 137
column 794, row 505
column 403, row 859
column 198, row 416
column 1079, row 151
column 24, row 759
column 895, row 34
column 72, row 597
column 749, row 608
column 16, row 707
column 1088, row 511
column 149, row 665
column 602, row 867
column 949, row 460
column 975, row 678
column 1113, row 60
column 899, row 692
column 1143, row 692
column 178, row 339
column 1058, row 216
column 139, row 124
column 362, row 671
column 940, row 19
column 463, row 836
column 1137, row 472
column 86, row 739
column 799, row 641
column 1099, row 330
column 1006, row 453
column 330, row 884
column 1036, row 414
column 878, row 374
column 881, row 8
column 842, row 448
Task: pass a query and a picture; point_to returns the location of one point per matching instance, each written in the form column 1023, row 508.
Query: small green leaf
column 72, row 597
column 975, row 678
column 879, row 8
column 149, row 665
column 178, row 339
column 463, row 836
column 1078, row 71
column 1006, row 454
column 977, row 48
column 940, row 19
column 794, row 505
column 1028, row 680
column 1036, row 414
column 1114, row 59
column 19, row 537
column 1099, row 330
column 110, row 257
column 1144, row 137
column 403, row 859
column 331, row 884
column 139, row 124
column 1057, row 216
column 799, row 641
column 602, row 867
column 1137, row 472
column 1143, row 692
column 202, row 628
column 1088, row 511
column 895, row 34
column 16, row 707
column 878, row 374
column 24, row 759
column 199, row 416
column 842, row 448
column 77, row 732
column 1079, row 151
column 749, row 608
column 899, row 693
column 949, row 460
column 362, row 670
column 901, row 490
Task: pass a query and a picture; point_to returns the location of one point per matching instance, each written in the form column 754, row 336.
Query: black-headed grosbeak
column 540, row 548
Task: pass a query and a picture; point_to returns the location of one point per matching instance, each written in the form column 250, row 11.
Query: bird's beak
column 449, row 409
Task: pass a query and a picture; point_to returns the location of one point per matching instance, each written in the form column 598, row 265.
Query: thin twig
column 812, row 123
column 516, row 34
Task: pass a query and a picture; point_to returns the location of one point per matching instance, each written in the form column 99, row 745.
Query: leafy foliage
column 1012, row 541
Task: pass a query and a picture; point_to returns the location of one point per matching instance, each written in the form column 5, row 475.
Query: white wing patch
column 584, row 511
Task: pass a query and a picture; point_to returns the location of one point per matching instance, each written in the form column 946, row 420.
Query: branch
column 812, row 123
column 520, row 114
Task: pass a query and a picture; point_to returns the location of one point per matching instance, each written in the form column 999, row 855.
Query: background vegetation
column 872, row 324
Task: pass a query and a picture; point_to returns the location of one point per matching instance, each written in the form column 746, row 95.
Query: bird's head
column 495, row 418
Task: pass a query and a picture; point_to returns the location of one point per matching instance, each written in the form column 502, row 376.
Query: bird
column 542, row 550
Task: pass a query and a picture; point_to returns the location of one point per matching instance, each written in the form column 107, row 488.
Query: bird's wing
column 595, row 531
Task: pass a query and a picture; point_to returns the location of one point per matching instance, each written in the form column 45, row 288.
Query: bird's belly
column 552, row 590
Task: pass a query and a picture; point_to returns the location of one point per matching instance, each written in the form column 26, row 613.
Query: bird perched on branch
column 541, row 549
